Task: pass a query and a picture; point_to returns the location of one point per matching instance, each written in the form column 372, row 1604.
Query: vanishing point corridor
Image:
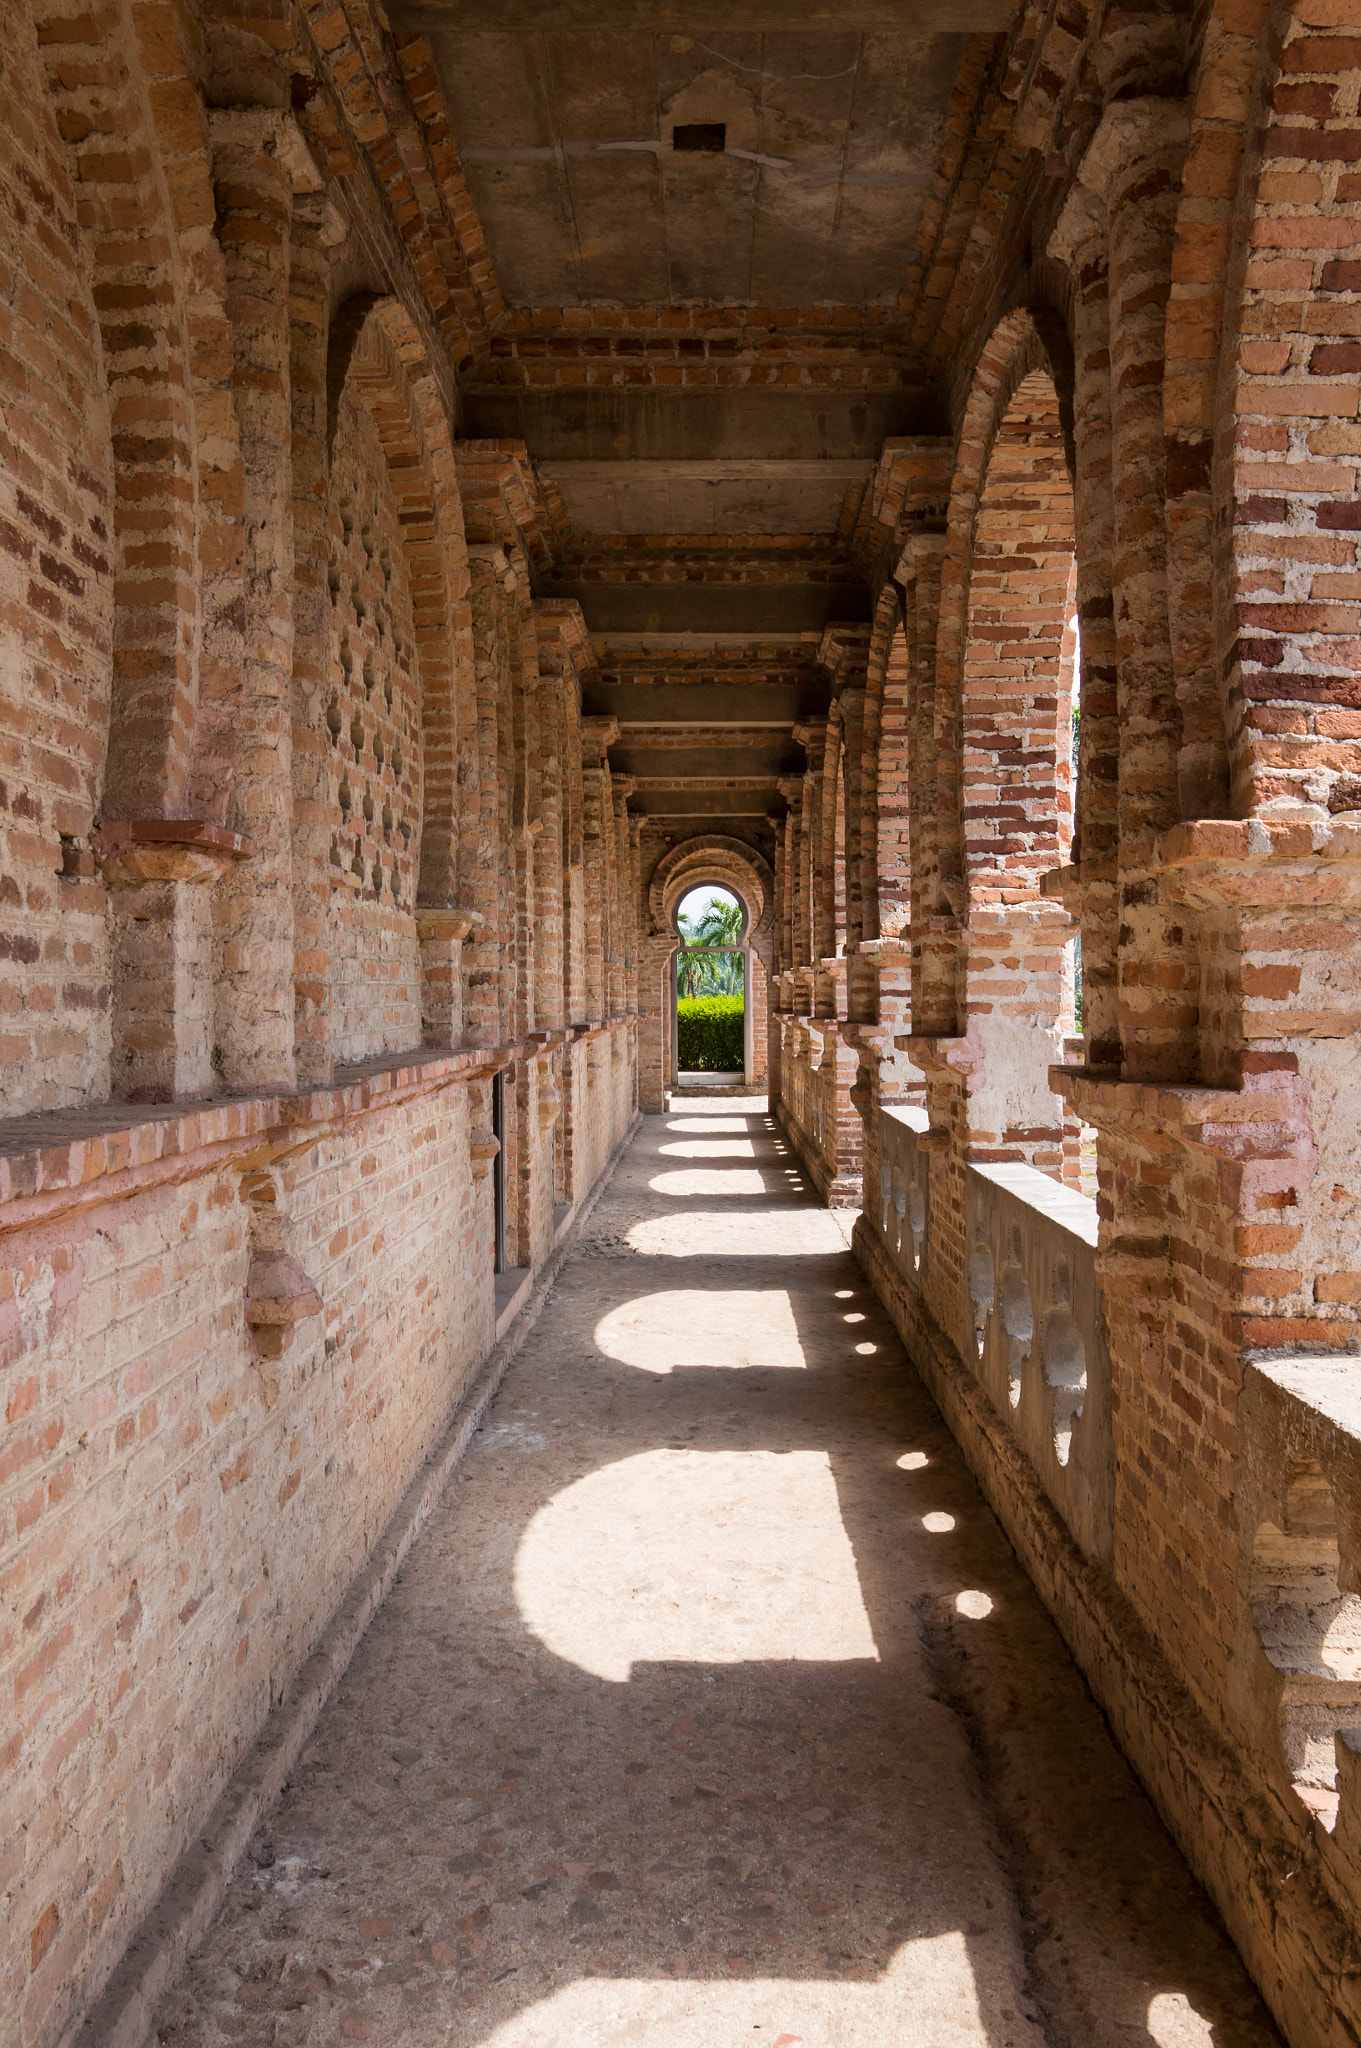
column 711, row 1706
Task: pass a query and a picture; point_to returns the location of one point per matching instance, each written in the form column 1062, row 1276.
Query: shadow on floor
column 712, row 1707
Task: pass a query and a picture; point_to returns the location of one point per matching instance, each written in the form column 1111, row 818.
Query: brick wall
column 276, row 801
column 56, row 613
column 373, row 774
column 180, row 1513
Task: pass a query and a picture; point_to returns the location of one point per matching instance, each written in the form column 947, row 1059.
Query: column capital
column 597, row 736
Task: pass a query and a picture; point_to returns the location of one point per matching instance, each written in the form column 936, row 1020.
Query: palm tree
column 706, row 973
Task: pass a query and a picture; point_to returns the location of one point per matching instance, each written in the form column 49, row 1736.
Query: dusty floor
column 712, row 1708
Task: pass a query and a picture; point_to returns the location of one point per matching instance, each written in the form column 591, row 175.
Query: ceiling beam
column 703, row 803
column 668, row 425
column 706, row 703
column 704, row 17
column 713, row 609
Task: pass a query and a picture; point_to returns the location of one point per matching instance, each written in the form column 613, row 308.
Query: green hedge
column 709, row 1035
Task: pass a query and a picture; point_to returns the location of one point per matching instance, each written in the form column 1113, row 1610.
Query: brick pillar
column 485, row 1018
column 812, row 736
column 310, row 299
column 160, row 967
column 654, row 1020
column 1134, row 164
column 935, row 917
column 621, row 789
column 597, row 815
column 258, row 155
column 1081, row 241
column 824, row 867
column 549, row 993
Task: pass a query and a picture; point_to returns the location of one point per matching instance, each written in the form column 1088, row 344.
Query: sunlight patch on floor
column 685, row 1328
column 682, row 1182
column 712, row 1126
column 678, row 1556
column 926, row 1998
column 710, row 1148
column 801, row 1233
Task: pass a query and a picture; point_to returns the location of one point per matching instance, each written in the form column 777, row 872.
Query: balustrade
column 1033, row 1336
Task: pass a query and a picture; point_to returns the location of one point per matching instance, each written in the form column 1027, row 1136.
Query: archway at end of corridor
column 725, row 888
column 710, row 1015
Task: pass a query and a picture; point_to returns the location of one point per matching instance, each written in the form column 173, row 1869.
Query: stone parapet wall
column 1250, row 1843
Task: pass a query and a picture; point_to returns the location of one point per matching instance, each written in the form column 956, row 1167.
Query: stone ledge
column 66, row 1158
column 1217, row 1119
column 1255, row 863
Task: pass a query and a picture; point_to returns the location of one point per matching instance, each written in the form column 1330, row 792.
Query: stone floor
column 712, row 1707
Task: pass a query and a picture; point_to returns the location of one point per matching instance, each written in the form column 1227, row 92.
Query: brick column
column 621, row 789
column 258, row 159
column 597, row 814
column 550, row 1010
column 1089, row 887
column 160, row 876
column 1134, row 164
column 935, row 917
column 485, row 1000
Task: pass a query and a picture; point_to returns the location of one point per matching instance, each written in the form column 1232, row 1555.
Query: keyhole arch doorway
column 712, row 862
column 712, row 960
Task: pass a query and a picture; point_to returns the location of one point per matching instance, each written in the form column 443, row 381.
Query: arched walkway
column 712, row 1707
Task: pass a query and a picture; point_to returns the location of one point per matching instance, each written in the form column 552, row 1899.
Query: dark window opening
column 498, row 1125
column 710, row 135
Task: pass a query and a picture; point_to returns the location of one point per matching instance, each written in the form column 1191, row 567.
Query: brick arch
column 128, row 108
column 727, row 864
column 1017, row 683
column 1264, row 515
column 376, row 360
column 724, row 863
column 1026, row 342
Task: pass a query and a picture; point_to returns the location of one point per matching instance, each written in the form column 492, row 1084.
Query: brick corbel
column 131, row 851
column 483, row 1146
column 440, row 934
column 278, row 1295
column 159, row 872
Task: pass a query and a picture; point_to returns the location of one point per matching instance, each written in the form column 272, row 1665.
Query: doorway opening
column 710, row 1025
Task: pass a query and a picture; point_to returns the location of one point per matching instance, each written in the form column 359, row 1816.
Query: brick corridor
column 711, row 1707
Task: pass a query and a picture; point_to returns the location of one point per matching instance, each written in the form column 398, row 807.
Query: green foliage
column 708, row 974
column 709, row 1034
column 721, row 925
column 705, row 972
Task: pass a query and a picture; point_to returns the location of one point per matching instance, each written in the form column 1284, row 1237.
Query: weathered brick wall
column 1159, row 212
column 56, row 612
column 179, row 1514
column 373, row 722
column 336, row 824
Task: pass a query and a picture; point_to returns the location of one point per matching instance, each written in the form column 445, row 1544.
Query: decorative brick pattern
column 373, row 724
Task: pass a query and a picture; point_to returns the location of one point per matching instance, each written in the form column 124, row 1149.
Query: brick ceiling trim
column 715, row 858
column 360, row 65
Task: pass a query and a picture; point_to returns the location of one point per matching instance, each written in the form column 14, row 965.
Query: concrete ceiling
column 713, row 497
column 566, row 138
column 833, row 114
